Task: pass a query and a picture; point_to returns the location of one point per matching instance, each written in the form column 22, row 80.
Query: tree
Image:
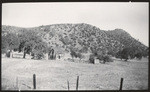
column 39, row 49
column 145, row 52
column 31, row 42
column 26, row 42
column 126, row 53
column 9, row 42
column 79, row 55
column 118, row 55
column 91, row 59
column 4, row 44
column 65, row 40
column 138, row 55
column 84, row 49
column 73, row 54
column 112, row 53
column 52, row 54
column 107, row 59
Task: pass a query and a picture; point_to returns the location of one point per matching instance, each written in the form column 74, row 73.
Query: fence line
column 19, row 86
column 26, row 85
column 68, row 85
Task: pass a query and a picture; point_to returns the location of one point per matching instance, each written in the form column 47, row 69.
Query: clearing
column 53, row 74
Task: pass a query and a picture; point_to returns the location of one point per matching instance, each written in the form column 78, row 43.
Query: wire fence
column 31, row 84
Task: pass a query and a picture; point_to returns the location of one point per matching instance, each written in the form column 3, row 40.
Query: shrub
column 76, row 54
column 79, row 55
column 139, row 56
column 84, row 50
column 111, row 53
column 91, row 59
column 126, row 53
column 73, row 54
column 100, row 57
column 107, row 59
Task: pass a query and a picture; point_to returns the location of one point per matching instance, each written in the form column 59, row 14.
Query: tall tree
column 30, row 41
column 9, row 42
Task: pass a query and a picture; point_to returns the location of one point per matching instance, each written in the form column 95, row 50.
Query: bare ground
column 53, row 74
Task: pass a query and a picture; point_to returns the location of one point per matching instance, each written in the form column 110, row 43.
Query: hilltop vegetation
column 79, row 38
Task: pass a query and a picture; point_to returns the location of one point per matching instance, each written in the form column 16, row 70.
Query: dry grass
column 53, row 75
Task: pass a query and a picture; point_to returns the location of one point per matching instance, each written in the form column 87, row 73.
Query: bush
column 126, row 53
column 76, row 54
column 100, row 57
column 73, row 54
column 91, row 59
column 79, row 55
column 139, row 56
column 111, row 53
column 84, row 50
column 107, row 59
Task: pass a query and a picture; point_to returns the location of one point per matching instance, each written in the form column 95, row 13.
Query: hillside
column 82, row 37
column 126, row 39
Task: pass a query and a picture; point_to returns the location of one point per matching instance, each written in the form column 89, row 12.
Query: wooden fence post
column 34, row 81
column 121, row 83
column 77, row 83
column 68, row 84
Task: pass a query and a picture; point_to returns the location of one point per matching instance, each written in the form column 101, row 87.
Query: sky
column 133, row 17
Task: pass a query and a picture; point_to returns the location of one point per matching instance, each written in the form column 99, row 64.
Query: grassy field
column 53, row 74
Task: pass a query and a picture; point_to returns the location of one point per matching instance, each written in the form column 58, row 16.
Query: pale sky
column 132, row 17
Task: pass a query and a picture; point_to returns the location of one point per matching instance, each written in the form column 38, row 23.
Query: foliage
column 65, row 40
column 9, row 42
column 27, row 42
column 84, row 49
column 76, row 54
column 79, row 55
column 31, row 42
column 100, row 57
column 145, row 52
column 91, row 59
column 118, row 54
column 82, row 36
column 138, row 55
column 107, row 59
column 52, row 54
column 111, row 53
column 126, row 53
column 73, row 54
column 39, row 49
column 4, row 44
